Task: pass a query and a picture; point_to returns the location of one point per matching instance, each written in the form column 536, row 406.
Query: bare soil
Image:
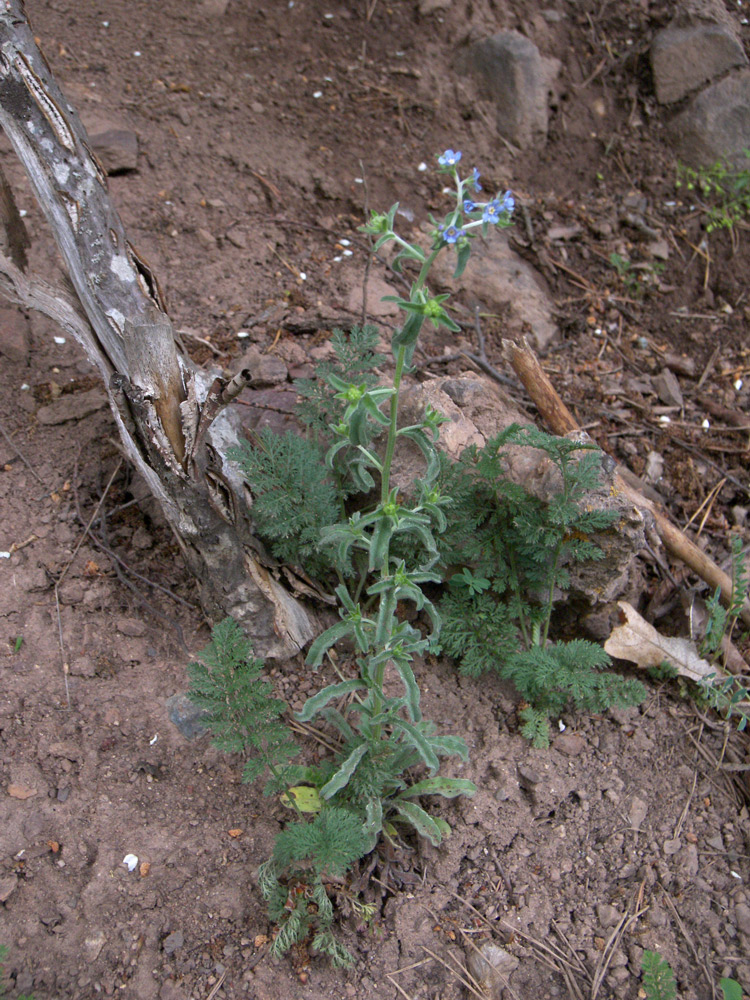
column 264, row 131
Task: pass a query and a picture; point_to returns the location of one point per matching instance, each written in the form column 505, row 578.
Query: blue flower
column 449, row 158
column 507, row 202
column 474, row 180
column 492, row 211
column 451, row 233
column 469, row 205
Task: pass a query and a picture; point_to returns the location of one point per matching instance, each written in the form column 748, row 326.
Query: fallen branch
column 560, row 420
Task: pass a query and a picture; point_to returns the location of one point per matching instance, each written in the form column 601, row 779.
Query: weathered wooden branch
column 173, row 418
column 561, row 421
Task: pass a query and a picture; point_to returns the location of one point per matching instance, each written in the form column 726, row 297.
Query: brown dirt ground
column 627, row 834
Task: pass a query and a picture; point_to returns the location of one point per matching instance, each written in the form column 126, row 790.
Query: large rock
column 477, row 410
column 117, row 149
column 501, row 280
column 511, row 71
column 684, row 58
column 716, row 123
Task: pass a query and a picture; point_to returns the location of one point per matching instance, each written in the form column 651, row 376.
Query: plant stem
column 385, row 484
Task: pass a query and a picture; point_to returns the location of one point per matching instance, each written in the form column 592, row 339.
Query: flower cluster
column 470, row 214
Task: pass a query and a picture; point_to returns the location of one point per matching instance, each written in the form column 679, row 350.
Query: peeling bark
column 174, row 420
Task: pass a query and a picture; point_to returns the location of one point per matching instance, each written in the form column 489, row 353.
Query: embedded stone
column 116, row 149
column 491, row 966
column 683, row 59
column 512, row 73
column 716, row 123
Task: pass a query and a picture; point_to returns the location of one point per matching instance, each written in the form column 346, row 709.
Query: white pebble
column 337, row 259
column 130, row 861
column 345, row 243
column 422, row 167
column 738, row 384
column 242, row 334
column 664, row 419
column 59, row 340
column 706, row 424
column 358, row 180
column 318, row 93
column 25, row 386
column 348, row 253
column 136, row 54
column 302, row 276
column 4, row 555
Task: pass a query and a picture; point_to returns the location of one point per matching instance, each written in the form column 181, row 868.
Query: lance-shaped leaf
column 373, row 821
column 342, row 776
column 422, row 822
column 449, row 746
column 449, row 788
column 412, row 735
column 319, row 701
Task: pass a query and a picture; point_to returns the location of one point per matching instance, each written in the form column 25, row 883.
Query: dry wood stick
column 561, row 421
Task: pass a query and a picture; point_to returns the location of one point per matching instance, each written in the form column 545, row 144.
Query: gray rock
column 173, row 941
column 491, row 966
column 267, row 369
column 14, row 334
column 93, row 944
column 8, row 885
column 498, row 278
column 132, row 627
column 716, row 123
column 117, row 149
column 638, row 810
column 72, row 406
column 607, row 915
column 742, row 918
column 186, row 716
column 83, row 666
column 668, row 388
column 683, row 59
column 511, row 71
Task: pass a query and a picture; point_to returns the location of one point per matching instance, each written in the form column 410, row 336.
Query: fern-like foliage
column 658, row 977
column 242, row 712
column 356, row 358
column 570, row 671
column 293, row 881
column 330, row 844
column 478, row 630
column 535, row 726
column 519, row 547
column 294, row 497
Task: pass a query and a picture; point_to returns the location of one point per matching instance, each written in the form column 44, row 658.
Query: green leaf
column 410, row 685
column 464, row 252
column 326, row 640
column 341, row 777
column 658, row 978
column 422, row 822
column 306, row 799
column 318, row 701
column 417, row 739
column 450, row 746
column 373, row 821
column 731, row 989
column 449, row 788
